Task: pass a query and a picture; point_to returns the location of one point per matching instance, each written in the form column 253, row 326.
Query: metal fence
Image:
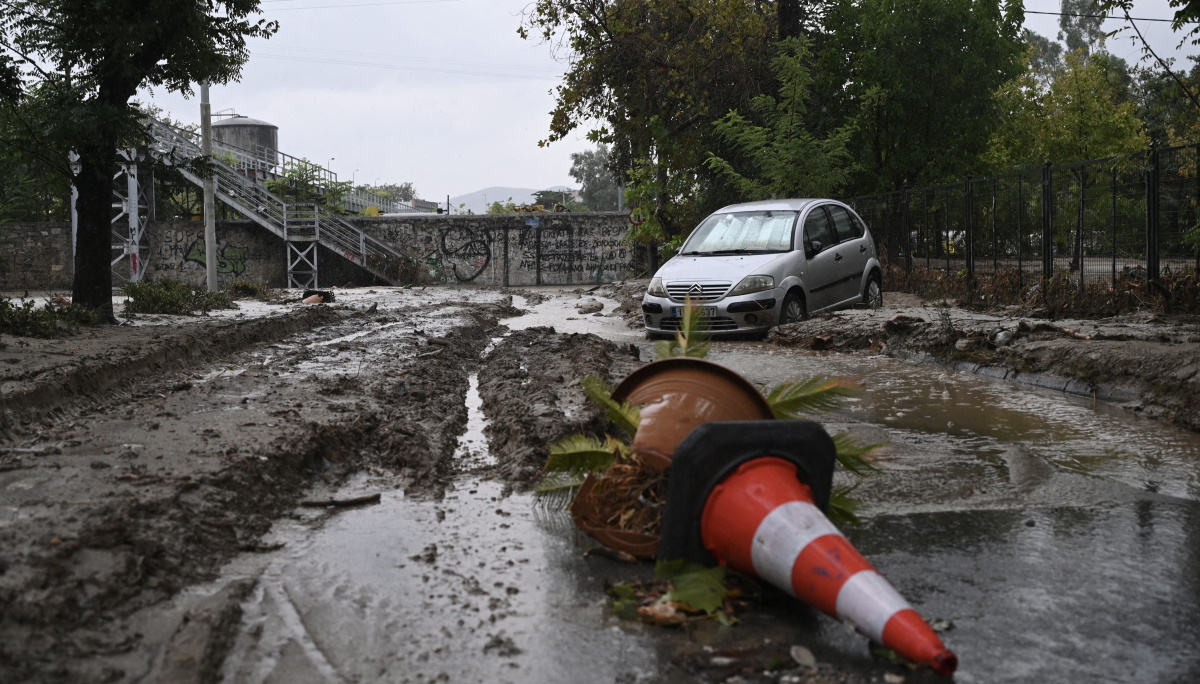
column 1096, row 221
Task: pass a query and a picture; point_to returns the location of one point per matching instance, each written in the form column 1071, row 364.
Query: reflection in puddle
column 476, row 587
column 929, row 409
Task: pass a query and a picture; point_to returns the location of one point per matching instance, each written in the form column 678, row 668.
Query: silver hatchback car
column 755, row 265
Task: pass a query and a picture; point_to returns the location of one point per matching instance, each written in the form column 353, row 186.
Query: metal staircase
column 302, row 225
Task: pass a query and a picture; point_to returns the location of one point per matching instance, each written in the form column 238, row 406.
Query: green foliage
column 571, row 460
column 80, row 64
column 581, row 454
column 625, row 600
column 690, row 340
column 506, row 207
column 48, row 321
column 172, row 297
column 651, row 76
column 843, row 508
column 1081, row 115
column 783, row 157
column 598, row 185
column 247, row 289
column 796, row 398
column 851, row 455
column 403, row 192
column 303, row 181
column 555, row 200
column 698, row 588
column 622, row 414
column 919, row 78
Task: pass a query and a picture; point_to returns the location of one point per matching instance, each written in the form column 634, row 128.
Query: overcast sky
column 442, row 93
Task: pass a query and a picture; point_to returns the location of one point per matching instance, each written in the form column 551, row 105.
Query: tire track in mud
column 89, row 380
column 132, row 531
column 532, row 398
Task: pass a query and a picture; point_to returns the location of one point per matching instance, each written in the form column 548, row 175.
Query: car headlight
column 656, row 288
column 752, row 284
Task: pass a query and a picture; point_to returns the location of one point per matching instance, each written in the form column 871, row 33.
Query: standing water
column 476, row 587
column 1057, row 539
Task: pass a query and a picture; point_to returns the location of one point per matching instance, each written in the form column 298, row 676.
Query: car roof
column 771, row 205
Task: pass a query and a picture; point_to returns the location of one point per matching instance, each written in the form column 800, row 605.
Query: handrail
column 287, row 220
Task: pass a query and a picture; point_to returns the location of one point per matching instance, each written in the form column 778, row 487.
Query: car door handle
column 837, row 256
column 862, row 248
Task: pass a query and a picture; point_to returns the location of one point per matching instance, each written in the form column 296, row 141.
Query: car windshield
column 746, row 232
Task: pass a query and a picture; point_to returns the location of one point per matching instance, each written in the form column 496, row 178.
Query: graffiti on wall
column 467, row 253
column 230, row 259
column 502, row 251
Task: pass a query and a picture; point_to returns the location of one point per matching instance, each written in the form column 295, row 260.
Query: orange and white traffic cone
column 758, row 516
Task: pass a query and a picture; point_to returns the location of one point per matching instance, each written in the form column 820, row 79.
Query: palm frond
column 690, row 340
column 852, row 455
column 580, row 455
column 796, row 398
column 843, row 508
column 625, row 416
column 556, row 492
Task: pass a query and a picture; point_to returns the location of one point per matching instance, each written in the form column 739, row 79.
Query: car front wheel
column 873, row 295
column 793, row 309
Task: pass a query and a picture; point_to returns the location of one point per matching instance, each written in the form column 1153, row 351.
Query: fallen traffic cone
column 750, row 495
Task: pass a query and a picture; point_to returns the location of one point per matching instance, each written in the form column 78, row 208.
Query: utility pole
column 210, row 209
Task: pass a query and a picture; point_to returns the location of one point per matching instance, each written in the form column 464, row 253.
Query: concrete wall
column 245, row 251
column 35, row 256
column 512, row 249
column 500, row 250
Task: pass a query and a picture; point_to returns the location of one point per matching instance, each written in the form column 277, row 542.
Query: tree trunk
column 92, row 287
column 789, row 16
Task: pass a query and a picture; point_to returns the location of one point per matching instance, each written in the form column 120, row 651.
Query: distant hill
column 479, row 200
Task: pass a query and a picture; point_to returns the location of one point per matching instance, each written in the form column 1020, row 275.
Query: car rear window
column 765, row 231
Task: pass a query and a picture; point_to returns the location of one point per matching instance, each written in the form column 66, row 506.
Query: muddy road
column 167, row 491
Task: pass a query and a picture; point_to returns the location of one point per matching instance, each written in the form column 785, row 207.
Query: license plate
column 705, row 311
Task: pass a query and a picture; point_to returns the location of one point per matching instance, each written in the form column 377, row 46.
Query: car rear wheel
column 873, row 295
column 793, row 309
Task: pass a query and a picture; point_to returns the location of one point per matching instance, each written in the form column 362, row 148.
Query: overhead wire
column 402, row 67
column 365, row 4
column 491, row 66
column 1115, row 17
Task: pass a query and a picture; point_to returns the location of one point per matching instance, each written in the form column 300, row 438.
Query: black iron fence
column 1097, row 221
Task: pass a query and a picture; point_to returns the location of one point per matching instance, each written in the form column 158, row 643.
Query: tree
column 784, row 158
column 1079, row 24
column 403, row 192
column 30, row 190
column 925, row 104
column 303, row 181
column 87, row 60
column 598, row 188
column 1187, row 15
column 654, row 74
column 1045, row 57
column 505, row 207
column 1081, row 116
column 557, row 200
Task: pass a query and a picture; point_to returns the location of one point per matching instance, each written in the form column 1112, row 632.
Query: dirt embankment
column 1147, row 362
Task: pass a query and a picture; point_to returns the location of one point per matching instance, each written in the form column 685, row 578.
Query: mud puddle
column 1057, row 538
column 476, row 586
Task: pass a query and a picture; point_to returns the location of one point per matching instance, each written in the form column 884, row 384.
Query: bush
column 244, row 288
column 48, row 321
column 173, row 297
